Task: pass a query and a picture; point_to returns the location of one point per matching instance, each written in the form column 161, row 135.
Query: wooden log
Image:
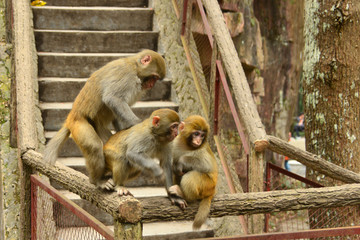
column 154, row 209
column 249, row 115
column 312, row 161
column 159, row 209
column 125, row 209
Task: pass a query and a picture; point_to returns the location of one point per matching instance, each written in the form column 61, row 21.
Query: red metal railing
column 38, row 183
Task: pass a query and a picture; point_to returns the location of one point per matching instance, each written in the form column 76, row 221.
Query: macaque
column 194, row 167
column 130, row 151
column 106, row 97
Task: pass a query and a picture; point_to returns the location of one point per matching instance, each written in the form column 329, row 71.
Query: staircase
column 75, row 38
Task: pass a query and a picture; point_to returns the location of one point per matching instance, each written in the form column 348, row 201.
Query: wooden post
column 124, row 231
column 25, row 77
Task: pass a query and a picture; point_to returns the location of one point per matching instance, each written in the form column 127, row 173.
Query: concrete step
column 116, row 3
column 151, row 231
column 66, row 89
column 73, row 65
column 145, row 179
column 74, row 41
column 93, row 18
column 54, row 114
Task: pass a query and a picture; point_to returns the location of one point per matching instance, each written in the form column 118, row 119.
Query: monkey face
column 149, row 82
column 196, row 138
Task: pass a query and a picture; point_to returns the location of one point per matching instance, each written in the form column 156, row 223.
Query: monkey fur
column 194, row 167
column 106, row 97
column 130, row 151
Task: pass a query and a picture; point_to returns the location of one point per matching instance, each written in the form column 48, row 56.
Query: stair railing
column 129, row 213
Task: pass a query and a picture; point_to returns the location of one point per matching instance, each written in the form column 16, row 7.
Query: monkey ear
column 155, row 121
column 146, row 60
column 181, row 126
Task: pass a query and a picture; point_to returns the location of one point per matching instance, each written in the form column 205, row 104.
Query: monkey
column 130, row 151
column 106, row 96
column 194, row 167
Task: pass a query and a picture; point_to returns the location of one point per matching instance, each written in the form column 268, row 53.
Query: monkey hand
column 158, row 172
column 179, row 173
column 107, row 185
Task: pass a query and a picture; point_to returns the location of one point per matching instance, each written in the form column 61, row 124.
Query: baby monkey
column 194, row 167
column 130, row 151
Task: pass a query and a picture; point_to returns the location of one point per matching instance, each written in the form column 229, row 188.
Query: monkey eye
column 196, row 134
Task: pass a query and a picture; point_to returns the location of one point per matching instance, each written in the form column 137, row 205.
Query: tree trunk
column 331, row 84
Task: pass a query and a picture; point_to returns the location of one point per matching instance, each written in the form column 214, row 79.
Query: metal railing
column 88, row 228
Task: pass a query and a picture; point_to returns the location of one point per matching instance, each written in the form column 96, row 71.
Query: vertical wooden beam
column 256, row 184
column 25, row 63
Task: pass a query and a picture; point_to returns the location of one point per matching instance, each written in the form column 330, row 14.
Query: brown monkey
column 130, row 151
column 107, row 95
column 194, row 167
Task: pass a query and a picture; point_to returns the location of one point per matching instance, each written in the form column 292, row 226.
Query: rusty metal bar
column 295, row 176
column 183, row 22
column 34, row 191
column 232, row 107
column 298, row 235
column 74, row 208
column 267, row 184
column 216, row 102
column 206, row 23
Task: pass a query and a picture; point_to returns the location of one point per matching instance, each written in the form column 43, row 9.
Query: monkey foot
column 176, row 196
column 121, row 191
column 175, row 190
column 175, row 200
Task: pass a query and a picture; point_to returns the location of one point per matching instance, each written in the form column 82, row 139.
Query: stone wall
column 9, row 170
column 177, row 64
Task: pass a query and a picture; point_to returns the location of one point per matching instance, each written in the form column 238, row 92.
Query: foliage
column 38, row 3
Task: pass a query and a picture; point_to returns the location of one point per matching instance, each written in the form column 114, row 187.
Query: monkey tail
column 202, row 213
column 53, row 146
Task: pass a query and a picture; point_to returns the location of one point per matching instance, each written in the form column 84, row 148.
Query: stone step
column 151, row 231
column 93, row 18
column 69, row 149
column 73, row 65
column 116, row 3
column 145, row 179
column 74, row 41
column 54, row 114
column 66, row 89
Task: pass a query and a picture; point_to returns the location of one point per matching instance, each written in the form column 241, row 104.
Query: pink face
column 197, row 138
column 149, row 82
column 173, row 131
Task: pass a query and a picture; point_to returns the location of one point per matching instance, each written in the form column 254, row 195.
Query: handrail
column 159, row 208
column 98, row 226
